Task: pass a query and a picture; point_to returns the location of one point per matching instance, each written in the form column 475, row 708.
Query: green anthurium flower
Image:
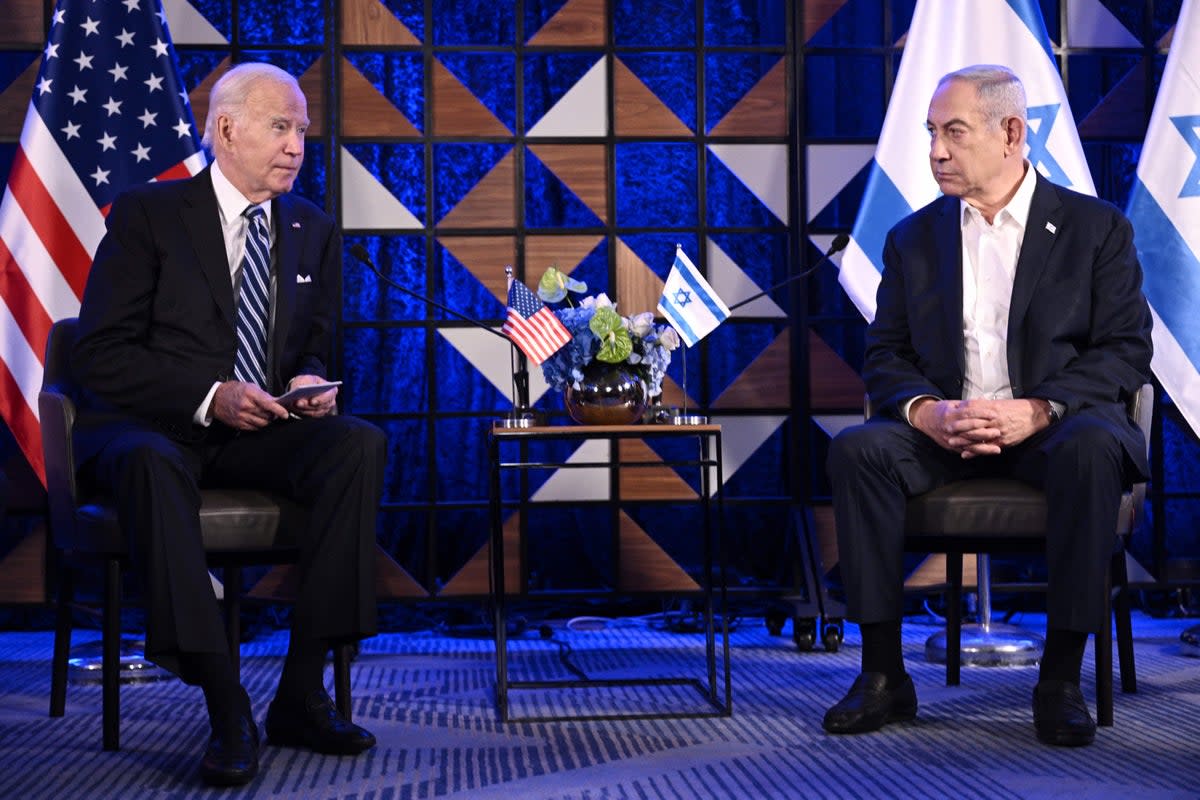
column 555, row 284
column 615, row 344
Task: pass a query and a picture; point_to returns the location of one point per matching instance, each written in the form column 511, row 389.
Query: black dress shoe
column 871, row 703
column 231, row 758
column 317, row 725
column 1060, row 715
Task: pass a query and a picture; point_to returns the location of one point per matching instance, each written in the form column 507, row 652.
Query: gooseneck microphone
column 839, row 243
column 360, row 252
column 521, row 411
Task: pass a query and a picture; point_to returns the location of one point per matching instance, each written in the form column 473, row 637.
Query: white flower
column 598, row 301
column 669, row 338
column 641, row 325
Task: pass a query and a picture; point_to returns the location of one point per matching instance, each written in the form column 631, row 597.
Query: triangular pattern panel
column 576, row 23
column 370, row 22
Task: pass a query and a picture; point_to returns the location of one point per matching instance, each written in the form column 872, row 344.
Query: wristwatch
column 1052, row 413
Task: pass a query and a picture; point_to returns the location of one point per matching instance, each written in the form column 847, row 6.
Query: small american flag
column 531, row 326
column 108, row 111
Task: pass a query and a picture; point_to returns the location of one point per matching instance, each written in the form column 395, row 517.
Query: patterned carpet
column 429, row 699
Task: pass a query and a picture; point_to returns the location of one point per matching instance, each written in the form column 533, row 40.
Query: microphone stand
column 521, row 416
column 839, row 244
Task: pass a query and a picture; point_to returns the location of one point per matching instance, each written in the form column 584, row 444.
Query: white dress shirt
column 989, row 267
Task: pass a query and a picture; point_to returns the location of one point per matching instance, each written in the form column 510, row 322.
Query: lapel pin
column 296, row 225
column 1050, row 227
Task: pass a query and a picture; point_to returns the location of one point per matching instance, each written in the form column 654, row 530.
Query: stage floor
column 429, row 698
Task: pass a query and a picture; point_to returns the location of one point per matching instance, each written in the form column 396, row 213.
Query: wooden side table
column 512, row 443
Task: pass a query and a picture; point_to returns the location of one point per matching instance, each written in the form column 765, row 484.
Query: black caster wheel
column 804, row 633
column 831, row 637
column 775, row 621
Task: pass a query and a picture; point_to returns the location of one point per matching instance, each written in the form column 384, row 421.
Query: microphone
column 839, row 243
column 522, row 415
column 360, row 252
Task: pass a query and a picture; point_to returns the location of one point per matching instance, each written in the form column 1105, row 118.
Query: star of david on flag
column 1164, row 207
column 688, row 303
column 108, row 111
column 946, row 36
column 531, row 326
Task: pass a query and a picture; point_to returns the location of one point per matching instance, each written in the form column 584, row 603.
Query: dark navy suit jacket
column 157, row 323
column 1078, row 326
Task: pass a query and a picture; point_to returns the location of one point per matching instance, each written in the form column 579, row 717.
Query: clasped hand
column 975, row 428
column 247, row 407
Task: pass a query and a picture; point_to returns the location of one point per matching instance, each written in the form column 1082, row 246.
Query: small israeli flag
column 689, row 304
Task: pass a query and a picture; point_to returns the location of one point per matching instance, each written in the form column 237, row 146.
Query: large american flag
column 531, row 326
column 108, row 111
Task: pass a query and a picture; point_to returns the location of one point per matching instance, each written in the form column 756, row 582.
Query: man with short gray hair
column 207, row 299
column 1010, row 332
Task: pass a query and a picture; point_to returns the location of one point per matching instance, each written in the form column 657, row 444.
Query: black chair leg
column 1121, row 610
column 62, row 643
column 233, row 614
column 954, row 564
column 1103, row 639
column 111, row 656
column 341, row 678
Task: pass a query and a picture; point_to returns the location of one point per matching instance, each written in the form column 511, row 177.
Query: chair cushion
column 231, row 520
column 989, row 507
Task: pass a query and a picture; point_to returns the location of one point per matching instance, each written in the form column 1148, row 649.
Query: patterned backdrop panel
column 452, row 138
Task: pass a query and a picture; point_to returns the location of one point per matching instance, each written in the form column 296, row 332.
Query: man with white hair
column 1011, row 330
column 207, row 298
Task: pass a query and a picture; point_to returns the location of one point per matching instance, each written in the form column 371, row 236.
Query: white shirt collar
column 1017, row 208
column 231, row 201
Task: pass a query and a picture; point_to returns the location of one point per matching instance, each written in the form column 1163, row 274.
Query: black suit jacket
column 1078, row 325
column 157, row 326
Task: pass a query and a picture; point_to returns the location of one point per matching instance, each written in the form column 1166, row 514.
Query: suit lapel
column 202, row 219
column 948, row 244
column 1045, row 218
column 288, row 236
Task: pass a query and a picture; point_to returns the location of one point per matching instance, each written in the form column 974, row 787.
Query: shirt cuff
column 904, row 409
column 201, row 416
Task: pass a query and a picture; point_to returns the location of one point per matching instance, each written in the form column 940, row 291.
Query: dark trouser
column 876, row 466
column 331, row 465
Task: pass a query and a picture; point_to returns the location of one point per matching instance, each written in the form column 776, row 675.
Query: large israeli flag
column 947, row 35
column 1165, row 210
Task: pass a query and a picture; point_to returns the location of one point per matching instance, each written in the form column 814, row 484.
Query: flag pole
column 521, row 415
column 682, row 417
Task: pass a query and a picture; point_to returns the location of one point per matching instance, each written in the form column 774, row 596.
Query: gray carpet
column 429, row 699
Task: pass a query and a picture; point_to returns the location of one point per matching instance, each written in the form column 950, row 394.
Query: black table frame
column 708, row 442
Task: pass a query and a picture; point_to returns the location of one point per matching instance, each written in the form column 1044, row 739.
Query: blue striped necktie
column 254, row 302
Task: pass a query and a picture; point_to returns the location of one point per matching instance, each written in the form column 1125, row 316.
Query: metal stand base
column 1189, row 642
column 995, row 646
column 86, row 665
column 521, row 418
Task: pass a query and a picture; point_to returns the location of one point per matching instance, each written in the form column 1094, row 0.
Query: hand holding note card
column 305, row 390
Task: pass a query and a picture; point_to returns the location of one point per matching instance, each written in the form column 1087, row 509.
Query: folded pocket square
column 304, row 279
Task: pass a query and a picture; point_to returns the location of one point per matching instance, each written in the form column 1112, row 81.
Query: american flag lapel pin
column 1050, row 227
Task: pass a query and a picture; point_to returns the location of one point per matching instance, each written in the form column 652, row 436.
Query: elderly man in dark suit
column 207, row 298
column 1011, row 329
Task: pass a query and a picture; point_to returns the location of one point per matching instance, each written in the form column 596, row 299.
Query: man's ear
column 1014, row 133
column 224, row 131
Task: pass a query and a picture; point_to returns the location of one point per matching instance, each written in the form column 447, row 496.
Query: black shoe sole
column 1066, row 738
column 227, row 778
column 351, row 748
